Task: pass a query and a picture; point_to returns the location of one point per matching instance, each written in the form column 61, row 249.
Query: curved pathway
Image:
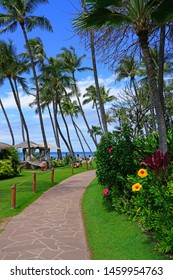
column 51, row 228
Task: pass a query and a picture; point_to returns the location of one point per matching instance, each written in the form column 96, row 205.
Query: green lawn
column 112, row 236
column 24, row 194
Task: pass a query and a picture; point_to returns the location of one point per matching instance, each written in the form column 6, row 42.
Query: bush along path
column 112, row 236
column 138, row 181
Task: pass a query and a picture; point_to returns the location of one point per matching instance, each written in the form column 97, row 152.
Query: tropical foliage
column 138, row 184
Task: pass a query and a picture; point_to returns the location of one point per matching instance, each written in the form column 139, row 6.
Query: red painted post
column 52, row 175
column 13, row 196
column 34, row 182
column 86, row 164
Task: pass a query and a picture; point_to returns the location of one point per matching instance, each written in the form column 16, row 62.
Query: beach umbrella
column 24, row 145
column 4, row 146
column 50, row 146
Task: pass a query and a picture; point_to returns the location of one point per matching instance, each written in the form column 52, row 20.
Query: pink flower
column 105, row 192
column 111, row 156
column 110, row 150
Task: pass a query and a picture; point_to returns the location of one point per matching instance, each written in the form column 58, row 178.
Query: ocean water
column 54, row 154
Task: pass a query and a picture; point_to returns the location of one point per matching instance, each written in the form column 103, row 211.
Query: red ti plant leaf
column 158, row 162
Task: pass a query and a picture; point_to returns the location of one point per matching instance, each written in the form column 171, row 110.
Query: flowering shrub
column 152, row 206
column 144, row 192
column 115, row 158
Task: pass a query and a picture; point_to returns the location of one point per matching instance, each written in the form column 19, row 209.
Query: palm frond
column 10, row 26
column 36, row 21
column 31, row 5
column 164, row 12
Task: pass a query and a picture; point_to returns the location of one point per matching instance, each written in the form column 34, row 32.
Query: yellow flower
column 142, row 173
column 136, row 187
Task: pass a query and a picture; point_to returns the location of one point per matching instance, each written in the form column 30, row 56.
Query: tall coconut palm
column 55, row 82
column 142, row 15
column 72, row 109
column 105, row 95
column 8, row 122
column 21, row 12
column 91, row 96
column 91, row 43
column 38, row 51
column 72, row 63
column 96, row 131
column 131, row 68
column 11, row 67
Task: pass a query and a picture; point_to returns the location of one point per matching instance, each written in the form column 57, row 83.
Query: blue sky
column 60, row 14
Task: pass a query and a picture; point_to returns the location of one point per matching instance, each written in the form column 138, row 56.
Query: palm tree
column 105, row 95
column 91, row 36
column 11, row 67
column 72, row 63
column 72, row 109
column 96, row 131
column 38, row 52
column 131, row 68
column 91, row 96
column 8, row 122
column 53, row 84
column 20, row 12
column 140, row 14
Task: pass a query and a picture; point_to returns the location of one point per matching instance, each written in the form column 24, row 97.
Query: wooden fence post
column 86, row 164
column 13, row 196
column 72, row 167
column 34, row 182
column 52, row 175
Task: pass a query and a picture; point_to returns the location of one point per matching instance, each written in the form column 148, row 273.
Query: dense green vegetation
column 112, row 236
column 138, row 181
column 9, row 163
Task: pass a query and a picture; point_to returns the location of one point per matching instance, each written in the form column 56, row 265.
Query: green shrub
column 152, row 206
column 6, row 169
column 115, row 158
column 13, row 157
column 58, row 163
column 67, row 159
column 138, row 181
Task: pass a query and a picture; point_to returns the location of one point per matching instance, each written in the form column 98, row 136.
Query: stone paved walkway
column 52, row 227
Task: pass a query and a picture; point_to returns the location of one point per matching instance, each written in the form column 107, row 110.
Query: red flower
column 110, row 150
column 105, row 192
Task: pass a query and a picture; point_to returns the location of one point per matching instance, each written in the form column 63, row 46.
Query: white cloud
column 9, row 102
column 33, row 120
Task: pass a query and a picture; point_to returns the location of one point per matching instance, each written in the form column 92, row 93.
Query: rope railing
column 34, row 184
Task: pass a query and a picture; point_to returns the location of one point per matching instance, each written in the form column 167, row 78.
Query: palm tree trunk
column 73, row 122
column 17, row 94
column 37, row 95
column 8, row 122
column 81, row 109
column 92, row 43
column 84, row 138
column 143, row 39
column 98, row 115
column 55, row 134
column 161, row 66
column 67, row 130
column 59, row 129
column 21, row 115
